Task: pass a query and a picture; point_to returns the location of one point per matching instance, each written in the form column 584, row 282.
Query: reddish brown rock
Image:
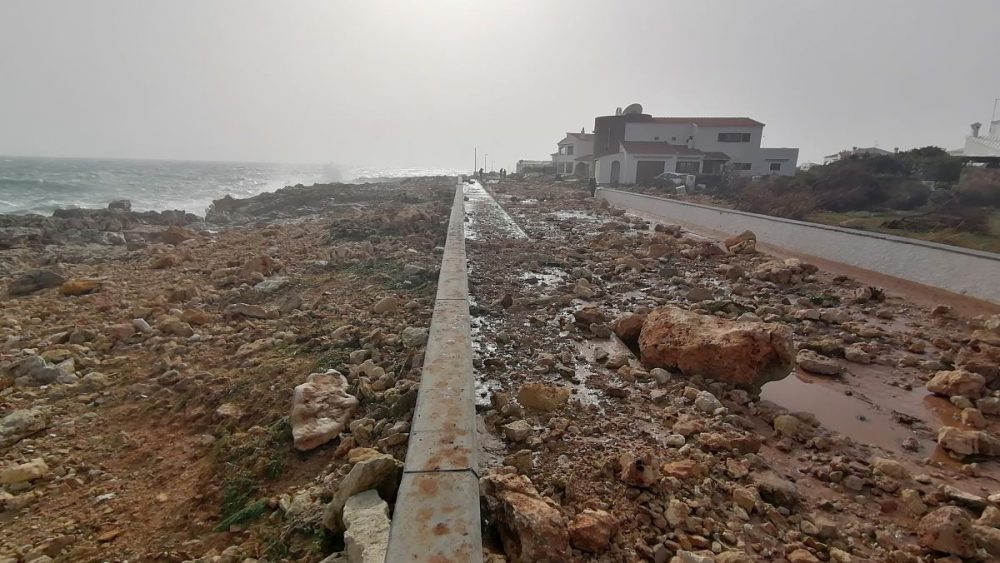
column 530, row 528
column 638, row 470
column 747, row 354
column 540, row 396
column 591, row 530
column 80, row 287
column 743, row 243
column 948, row 529
column 629, row 326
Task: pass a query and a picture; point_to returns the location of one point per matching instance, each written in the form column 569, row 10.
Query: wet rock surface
column 836, row 464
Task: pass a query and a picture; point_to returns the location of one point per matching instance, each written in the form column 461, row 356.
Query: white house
column 982, row 146
column 574, row 155
column 632, row 147
column 855, row 151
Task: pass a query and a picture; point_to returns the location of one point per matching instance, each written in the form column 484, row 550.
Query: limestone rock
column 890, row 468
column 35, row 280
column 948, row 529
column 591, row 530
column 387, row 304
column 517, row 431
column 413, row 337
column 742, row 353
column 530, row 528
column 776, row 489
column 814, row 362
column 543, row 397
column 956, row 382
column 24, row 472
column 377, row 471
column 987, row 538
column 320, row 408
column 968, row 442
column 21, row 424
column 366, row 523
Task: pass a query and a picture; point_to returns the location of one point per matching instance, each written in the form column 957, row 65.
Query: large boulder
column 949, row 530
column 531, row 529
column 320, row 408
column 957, row 382
column 747, row 354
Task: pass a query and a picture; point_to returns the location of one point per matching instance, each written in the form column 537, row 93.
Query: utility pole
column 994, row 116
column 475, row 160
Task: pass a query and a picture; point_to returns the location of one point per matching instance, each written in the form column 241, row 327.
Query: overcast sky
column 421, row 83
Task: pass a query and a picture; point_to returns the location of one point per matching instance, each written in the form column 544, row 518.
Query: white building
column 632, row 147
column 855, row 151
column 575, row 154
column 982, row 146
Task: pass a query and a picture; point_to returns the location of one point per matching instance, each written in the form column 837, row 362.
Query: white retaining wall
column 959, row 270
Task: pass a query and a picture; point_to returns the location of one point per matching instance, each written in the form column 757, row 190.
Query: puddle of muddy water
column 867, row 414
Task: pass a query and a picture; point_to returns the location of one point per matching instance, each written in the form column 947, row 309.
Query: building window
column 688, row 167
column 775, row 166
column 734, row 137
column 566, row 149
column 741, row 166
column 567, row 168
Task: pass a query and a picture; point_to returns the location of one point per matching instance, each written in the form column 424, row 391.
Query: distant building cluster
column 632, row 147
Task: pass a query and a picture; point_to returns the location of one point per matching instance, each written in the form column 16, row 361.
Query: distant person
column 481, row 173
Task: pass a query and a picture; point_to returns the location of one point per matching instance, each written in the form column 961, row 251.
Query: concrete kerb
column 437, row 509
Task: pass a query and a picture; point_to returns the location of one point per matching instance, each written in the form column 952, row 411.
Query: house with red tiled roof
column 575, row 155
column 632, row 147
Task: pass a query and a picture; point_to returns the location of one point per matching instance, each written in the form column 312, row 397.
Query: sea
column 42, row 185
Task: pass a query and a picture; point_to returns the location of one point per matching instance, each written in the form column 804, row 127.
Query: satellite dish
column 633, row 108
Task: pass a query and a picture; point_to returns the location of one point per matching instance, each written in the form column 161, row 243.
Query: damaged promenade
column 240, row 387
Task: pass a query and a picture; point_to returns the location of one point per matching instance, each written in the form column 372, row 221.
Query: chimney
column 975, row 128
column 583, row 130
column 690, row 142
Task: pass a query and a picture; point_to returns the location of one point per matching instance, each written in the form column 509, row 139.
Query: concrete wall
column 764, row 157
column 437, row 507
column 959, row 270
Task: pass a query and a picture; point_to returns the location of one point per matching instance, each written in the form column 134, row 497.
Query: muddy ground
column 858, row 455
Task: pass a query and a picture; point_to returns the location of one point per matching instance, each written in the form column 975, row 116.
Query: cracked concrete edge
column 436, row 517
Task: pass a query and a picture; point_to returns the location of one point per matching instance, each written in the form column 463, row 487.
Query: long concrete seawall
column 437, row 509
column 964, row 271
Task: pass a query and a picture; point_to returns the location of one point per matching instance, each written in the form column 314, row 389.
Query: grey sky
column 398, row 84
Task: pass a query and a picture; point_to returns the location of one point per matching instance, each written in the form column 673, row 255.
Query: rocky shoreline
column 239, row 387
column 166, row 391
